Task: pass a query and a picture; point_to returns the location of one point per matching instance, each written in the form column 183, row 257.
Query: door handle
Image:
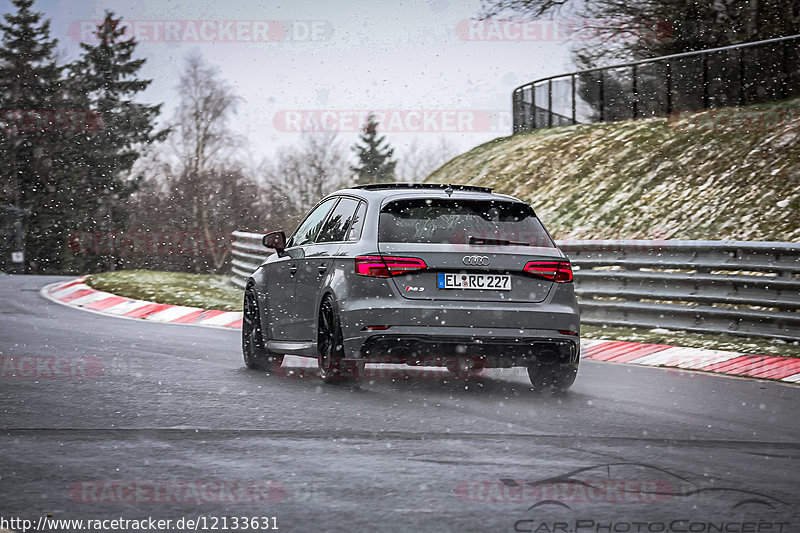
column 292, row 270
column 322, row 269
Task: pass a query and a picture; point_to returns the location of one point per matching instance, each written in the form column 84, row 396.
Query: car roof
column 387, row 191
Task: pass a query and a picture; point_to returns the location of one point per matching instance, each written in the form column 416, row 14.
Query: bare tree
column 197, row 184
column 640, row 29
column 202, row 135
column 301, row 175
column 418, row 160
column 532, row 8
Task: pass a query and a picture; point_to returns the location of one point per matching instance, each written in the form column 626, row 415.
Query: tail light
column 558, row 271
column 384, row 267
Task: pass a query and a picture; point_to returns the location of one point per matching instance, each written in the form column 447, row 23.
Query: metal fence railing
column 741, row 288
column 737, row 75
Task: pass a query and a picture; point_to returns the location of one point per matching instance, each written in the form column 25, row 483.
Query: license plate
column 485, row 282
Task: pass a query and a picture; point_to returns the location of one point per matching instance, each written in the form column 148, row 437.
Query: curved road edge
column 76, row 293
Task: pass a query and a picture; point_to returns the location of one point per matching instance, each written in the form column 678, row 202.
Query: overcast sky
column 322, row 62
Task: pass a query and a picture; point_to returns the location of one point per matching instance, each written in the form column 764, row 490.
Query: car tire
column 330, row 347
column 553, row 377
column 256, row 356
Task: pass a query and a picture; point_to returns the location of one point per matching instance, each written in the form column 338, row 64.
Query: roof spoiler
column 437, row 186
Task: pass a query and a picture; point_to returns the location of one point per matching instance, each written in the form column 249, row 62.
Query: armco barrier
column 248, row 253
column 742, row 288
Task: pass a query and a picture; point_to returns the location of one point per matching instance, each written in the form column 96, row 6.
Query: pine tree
column 105, row 76
column 374, row 156
column 32, row 178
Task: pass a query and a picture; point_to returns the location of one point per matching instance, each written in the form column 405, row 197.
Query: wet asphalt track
column 169, row 406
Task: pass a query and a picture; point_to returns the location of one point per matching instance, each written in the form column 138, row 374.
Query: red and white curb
column 785, row 369
column 77, row 294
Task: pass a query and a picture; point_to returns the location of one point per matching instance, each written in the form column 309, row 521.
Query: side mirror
column 275, row 240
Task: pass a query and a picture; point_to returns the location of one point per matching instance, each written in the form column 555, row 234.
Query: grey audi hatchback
column 417, row 274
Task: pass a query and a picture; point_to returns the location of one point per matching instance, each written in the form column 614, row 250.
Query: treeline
column 92, row 179
column 613, row 31
column 71, row 134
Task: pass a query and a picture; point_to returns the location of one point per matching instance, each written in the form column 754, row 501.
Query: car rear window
column 475, row 222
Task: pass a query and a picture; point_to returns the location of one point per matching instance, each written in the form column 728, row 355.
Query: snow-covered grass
column 193, row 290
column 733, row 343
column 716, row 175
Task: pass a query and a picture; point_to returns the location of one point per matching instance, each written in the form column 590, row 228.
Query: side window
column 358, row 222
column 311, row 225
column 340, row 220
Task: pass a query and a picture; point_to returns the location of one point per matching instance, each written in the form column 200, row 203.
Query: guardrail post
column 741, row 77
column 668, row 81
column 572, row 82
column 515, row 111
column 602, row 98
column 705, row 80
column 635, row 91
column 786, row 73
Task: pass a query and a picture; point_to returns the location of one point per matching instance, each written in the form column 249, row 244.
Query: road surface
column 107, row 418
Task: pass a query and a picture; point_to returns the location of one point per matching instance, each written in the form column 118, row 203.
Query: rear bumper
column 500, row 333
column 435, row 346
column 493, row 352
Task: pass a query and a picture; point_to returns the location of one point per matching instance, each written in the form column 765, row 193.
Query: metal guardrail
column 738, row 75
column 741, row 288
column 247, row 254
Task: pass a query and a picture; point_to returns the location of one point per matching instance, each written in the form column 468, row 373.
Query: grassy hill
column 721, row 174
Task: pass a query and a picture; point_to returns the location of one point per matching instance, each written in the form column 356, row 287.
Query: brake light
column 384, row 267
column 558, row 271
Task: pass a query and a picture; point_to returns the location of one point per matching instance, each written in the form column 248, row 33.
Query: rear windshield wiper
column 495, row 242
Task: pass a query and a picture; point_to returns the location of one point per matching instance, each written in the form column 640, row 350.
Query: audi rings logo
column 475, row 260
